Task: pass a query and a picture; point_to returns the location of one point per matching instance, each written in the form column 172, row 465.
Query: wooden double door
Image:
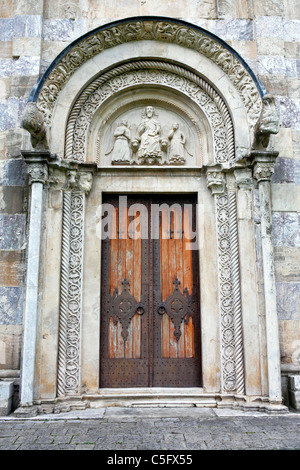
column 150, row 308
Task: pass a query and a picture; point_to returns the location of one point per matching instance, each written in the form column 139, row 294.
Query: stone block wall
column 265, row 33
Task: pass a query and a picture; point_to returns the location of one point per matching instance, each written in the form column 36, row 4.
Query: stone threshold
column 153, row 398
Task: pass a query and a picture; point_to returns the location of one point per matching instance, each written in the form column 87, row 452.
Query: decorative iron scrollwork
column 178, row 307
column 124, row 307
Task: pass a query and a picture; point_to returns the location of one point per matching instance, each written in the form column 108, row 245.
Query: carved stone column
column 38, row 174
column 263, row 170
column 249, row 316
column 68, row 373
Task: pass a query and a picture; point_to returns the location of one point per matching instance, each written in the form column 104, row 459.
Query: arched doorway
column 151, row 109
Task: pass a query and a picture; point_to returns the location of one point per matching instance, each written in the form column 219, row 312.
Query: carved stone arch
column 161, row 77
column 133, row 39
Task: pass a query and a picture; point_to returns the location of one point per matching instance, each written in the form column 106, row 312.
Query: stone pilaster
column 38, row 174
column 263, row 168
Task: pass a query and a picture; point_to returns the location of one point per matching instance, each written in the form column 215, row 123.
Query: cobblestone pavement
column 152, row 429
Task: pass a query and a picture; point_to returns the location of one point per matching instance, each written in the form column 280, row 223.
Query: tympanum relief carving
column 148, row 136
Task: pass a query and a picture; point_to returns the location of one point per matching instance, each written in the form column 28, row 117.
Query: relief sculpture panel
column 147, row 135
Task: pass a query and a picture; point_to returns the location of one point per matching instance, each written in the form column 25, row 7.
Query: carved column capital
column 84, row 181
column 38, row 173
column 215, row 181
column 243, row 178
column 263, row 171
column 263, row 165
column 80, row 181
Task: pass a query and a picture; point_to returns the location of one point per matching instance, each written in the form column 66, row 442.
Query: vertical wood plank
column 187, row 254
column 188, row 281
column 129, row 274
column 189, row 339
column 119, row 341
column 172, row 276
column 111, row 339
column 165, row 333
column 164, row 269
column 179, row 272
column 113, row 273
column 137, row 289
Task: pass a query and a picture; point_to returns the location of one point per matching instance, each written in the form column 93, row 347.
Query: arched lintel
column 143, row 50
column 34, row 95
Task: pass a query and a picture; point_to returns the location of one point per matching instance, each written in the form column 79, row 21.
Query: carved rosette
column 151, row 30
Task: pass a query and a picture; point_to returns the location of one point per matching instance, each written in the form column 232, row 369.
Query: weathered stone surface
column 286, row 229
column 6, row 29
column 12, row 231
column 291, row 68
column 11, row 199
column 271, row 65
column 6, row 67
column 296, row 143
column 285, row 197
column 10, row 346
column 293, row 86
column 29, row 7
column 26, row 66
column 4, row 88
column 6, row 49
column 269, row 27
column 58, row 30
column 12, row 267
column 268, row 8
column 290, row 342
column 237, row 29
column 287, row 264
column 266, row 47
column 291, row 31
column 11, row 305
column 290, row 112
column 275, row 84
column 14, row 172
column 9, row 113
column 5, row 8
column 286, row 170
column 14, row 139
column 28, row 26
column 6, row 396
column 22, row 85
column 288, row 300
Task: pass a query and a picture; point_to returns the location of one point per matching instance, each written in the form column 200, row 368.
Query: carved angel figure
column 121, row 152
column 176, row 147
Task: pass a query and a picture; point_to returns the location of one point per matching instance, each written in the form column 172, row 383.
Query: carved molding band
column 225, row 294
column 167, row 31
column 150, row 73
column 232, row 359
column 70, row 299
